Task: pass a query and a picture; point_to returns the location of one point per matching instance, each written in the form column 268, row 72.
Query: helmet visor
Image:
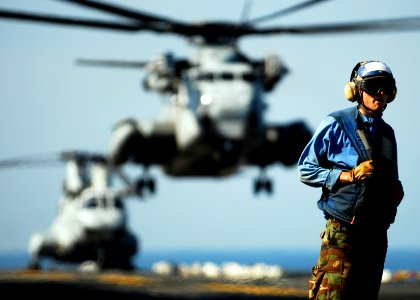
column 376, row 85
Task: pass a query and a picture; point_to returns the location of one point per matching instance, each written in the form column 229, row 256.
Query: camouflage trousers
column 350, row 263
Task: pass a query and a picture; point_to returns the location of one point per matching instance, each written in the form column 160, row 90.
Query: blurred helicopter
column 90, row 227
column 214, row 122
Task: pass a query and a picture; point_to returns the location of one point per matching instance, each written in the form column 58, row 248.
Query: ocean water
column 294, row 260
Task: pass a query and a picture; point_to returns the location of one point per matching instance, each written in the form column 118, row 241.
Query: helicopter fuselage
column 214, row 122
column 91, row 225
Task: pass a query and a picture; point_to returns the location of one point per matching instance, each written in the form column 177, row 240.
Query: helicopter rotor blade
column 411, row 23
column 286, row 11
column 212, row 32
column 83, row 156
column 207, row 30
column 31, row 161
column 51, row 159
column 111, row 63
column 245, row 11
column 42, row 18
column 139, row 20
column 123, row 12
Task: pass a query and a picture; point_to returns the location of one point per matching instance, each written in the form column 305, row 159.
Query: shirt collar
column 369, row 120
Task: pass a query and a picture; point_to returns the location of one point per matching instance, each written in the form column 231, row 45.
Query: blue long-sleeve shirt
column 328, row 153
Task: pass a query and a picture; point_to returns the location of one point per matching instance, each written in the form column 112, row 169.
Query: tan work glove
column 361, row 172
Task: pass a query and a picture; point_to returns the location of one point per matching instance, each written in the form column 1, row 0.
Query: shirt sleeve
column 321, row 162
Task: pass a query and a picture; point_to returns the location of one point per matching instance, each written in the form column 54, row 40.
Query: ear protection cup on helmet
column 351, row 92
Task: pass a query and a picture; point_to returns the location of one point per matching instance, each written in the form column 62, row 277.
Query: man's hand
column 360, row 173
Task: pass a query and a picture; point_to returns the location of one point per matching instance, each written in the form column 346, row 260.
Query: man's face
column 376, row 103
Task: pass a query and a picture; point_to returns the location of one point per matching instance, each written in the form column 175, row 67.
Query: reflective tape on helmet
column 374, row 68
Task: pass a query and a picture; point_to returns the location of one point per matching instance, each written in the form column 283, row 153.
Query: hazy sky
column 49, row 105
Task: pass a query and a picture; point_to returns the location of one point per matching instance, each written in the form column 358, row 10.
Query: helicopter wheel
column 100, row 259
column 151, row 184
column 146, row 183
column 34, row 264
column 263, row 184
column 269, row 186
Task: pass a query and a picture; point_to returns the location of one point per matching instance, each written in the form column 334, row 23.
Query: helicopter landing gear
column 263, row 183
column 144, row 183
column 34, row 264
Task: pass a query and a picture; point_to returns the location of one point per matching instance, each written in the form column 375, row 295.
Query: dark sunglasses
column 376, row 85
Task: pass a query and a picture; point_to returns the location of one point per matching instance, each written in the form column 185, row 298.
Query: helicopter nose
column 103, row 220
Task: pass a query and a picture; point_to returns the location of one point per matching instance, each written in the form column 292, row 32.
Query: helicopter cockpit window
column 235, row 58
column 118, row 203
column 205, row 76
column 91, row 203
column 227, row 76
column 248, row 77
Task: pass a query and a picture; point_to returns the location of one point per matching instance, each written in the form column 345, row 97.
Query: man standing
column 353, row 158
